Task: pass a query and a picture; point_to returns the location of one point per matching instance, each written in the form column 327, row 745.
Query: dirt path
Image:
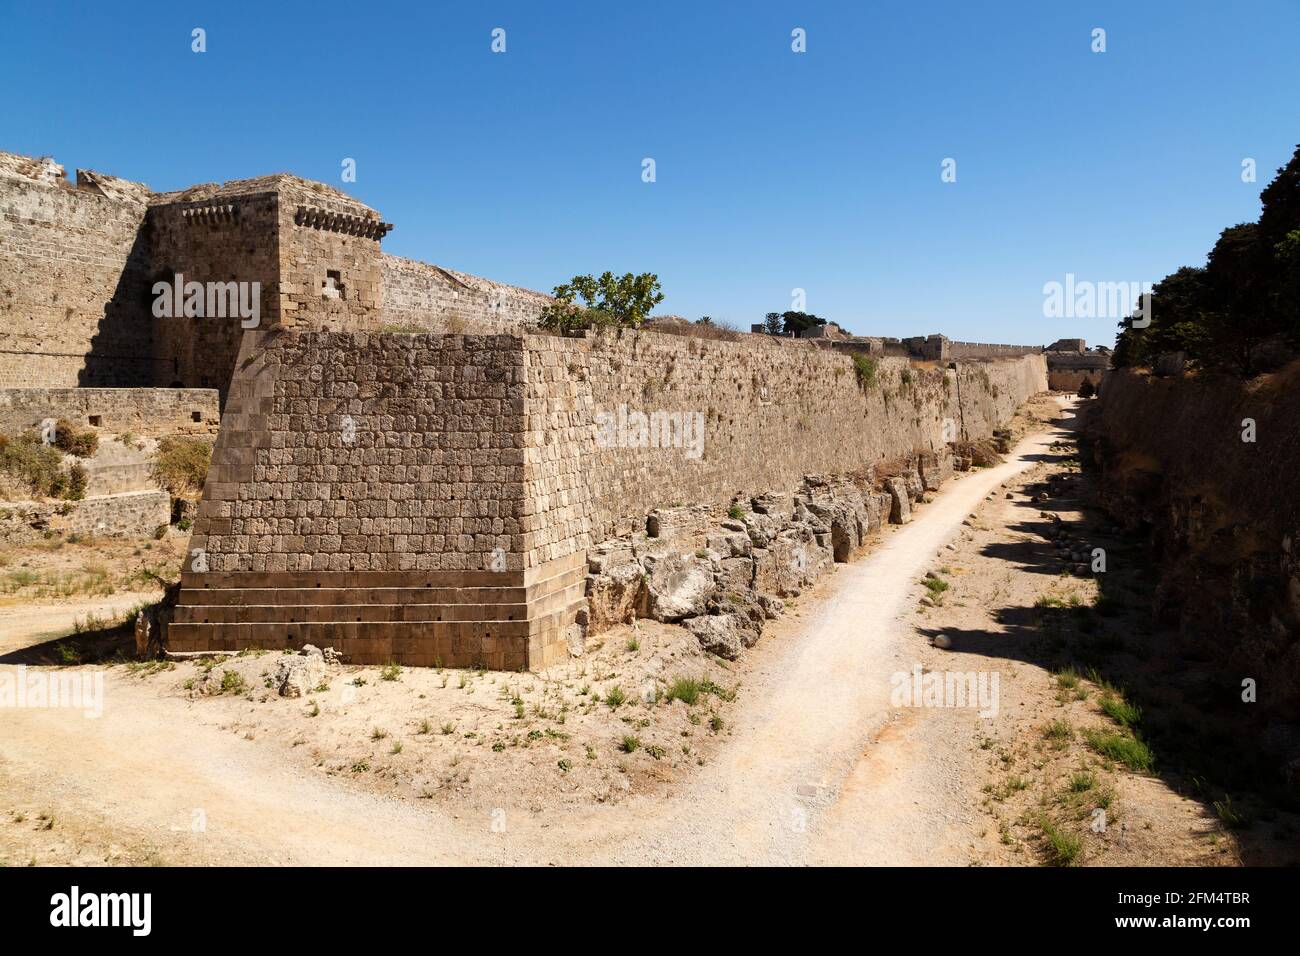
column 796, row 782
column 24, row 625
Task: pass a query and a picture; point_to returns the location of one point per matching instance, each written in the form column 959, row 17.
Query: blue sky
column 775, row 170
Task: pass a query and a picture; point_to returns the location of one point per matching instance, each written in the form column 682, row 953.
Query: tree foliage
column 1243, row 307
column 608, row 300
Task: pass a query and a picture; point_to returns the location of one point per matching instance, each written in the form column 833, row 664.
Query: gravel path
column 818, row 767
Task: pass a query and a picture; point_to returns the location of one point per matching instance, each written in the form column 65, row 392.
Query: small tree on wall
column 797, row 323
column 623, row 301
column 1086, row 390
column 772, row 323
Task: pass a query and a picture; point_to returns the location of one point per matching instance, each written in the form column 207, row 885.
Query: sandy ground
column 52, row 589
column 797, row 755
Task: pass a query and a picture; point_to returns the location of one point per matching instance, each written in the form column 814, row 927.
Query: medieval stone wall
column 466, row 446
column 978, row 350
column 145, row 412
column 330, row 275
column 135, row 514
column 772, row 411
column 368, row 452
column 233, row 239
column 73, row 300
column 424, row 296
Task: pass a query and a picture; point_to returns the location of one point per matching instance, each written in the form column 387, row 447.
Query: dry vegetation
column 1094, row 760
column 637, row 712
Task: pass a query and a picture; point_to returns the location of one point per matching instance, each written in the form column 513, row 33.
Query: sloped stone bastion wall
column 431, row 498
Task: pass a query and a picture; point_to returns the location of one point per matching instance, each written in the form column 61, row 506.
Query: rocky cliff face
column 1208, row 468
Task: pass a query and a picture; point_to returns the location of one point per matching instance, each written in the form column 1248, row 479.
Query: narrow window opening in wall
column 196, row 416
column 95, row 420
column 332, row 287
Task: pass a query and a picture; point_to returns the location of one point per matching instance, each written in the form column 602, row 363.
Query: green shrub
column 865, row 367
column 77, row 480
column 67, row 438
column 685, row 689
column 614, row 696
column 1120, row 710
column 32, row 463
column 1063, row 848
column 1121, row 748
column 181, row 465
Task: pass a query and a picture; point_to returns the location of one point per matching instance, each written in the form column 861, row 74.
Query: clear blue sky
column 775, row 170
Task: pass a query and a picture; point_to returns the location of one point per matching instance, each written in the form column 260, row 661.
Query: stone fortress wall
column 422, row 495
column 145, row 412
column 771, row 412
column 78, row 262
column 432, row 497
column 72, row 278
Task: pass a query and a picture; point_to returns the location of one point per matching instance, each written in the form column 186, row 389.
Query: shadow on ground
column 1205, row 743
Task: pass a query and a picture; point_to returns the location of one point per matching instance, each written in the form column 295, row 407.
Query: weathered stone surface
column 735, row 575
column 607, row 555
column 720, row 634
column 900, row 508
column 617, row 596
column 679, row 586
column 300, row 674
column 674, row 523
column 732, row 545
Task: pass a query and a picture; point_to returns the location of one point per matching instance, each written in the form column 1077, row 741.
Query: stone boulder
column 299, row 674
column 679, row 586
column 721, row 634
column 900, row 506
column 616, row 595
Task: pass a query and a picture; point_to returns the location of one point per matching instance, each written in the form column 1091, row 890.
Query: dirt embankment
column 1205, row 468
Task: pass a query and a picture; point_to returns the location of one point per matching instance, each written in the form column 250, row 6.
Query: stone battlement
column 78, row 262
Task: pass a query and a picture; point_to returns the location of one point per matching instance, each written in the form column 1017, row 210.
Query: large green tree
column 1248, row 293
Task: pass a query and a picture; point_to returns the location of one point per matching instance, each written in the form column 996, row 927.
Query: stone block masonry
column 431, row 498
column 78, row 263
column 72, row 278
column 136, row 514
column 144, row 412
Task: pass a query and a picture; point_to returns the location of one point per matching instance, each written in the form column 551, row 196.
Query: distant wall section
column 424, row 296
column 73, row 300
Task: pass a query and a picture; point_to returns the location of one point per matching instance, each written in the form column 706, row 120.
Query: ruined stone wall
column 772, row 412
column 146, row 412
column 420, row 295
column 73, row 300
